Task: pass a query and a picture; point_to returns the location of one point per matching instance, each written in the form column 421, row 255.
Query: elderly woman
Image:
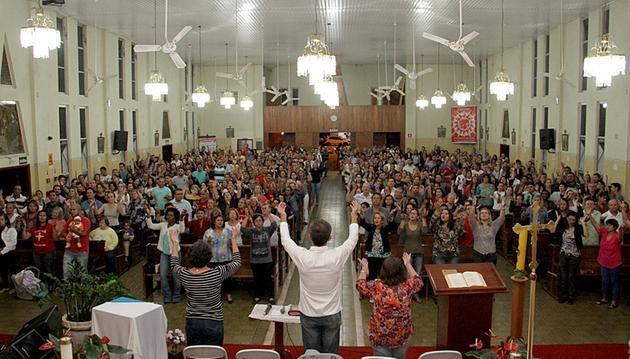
column 390, row 324
column 204, row 314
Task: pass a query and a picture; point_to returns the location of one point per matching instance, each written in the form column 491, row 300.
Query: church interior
column 464, row 137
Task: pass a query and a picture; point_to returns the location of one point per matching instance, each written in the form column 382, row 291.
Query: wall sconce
column 565, row 141
column 229, row 132
column 100, row 143
column 513, row 136
column 441, row 132
column 156, row 138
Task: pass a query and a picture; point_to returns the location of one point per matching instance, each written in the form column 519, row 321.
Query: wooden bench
column 96, row 261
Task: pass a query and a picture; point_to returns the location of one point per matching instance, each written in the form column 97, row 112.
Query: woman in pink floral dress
column 390, row 325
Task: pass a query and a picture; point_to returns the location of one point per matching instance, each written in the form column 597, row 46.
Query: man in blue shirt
column 161, row 194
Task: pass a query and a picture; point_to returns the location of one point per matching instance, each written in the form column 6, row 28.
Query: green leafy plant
column 93, row 347
column 82, row 291
column 519, row 273
column 501, row 350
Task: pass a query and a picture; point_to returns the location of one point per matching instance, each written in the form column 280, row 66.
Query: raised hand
column 406, row 257
column 364, row 266
column 282, row 211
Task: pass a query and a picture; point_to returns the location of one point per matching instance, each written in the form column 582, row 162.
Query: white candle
column 65, row 347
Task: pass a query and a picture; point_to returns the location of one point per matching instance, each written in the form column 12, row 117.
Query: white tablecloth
column 140, row 327
column 275, row 314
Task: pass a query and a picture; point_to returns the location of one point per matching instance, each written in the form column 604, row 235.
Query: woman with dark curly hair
column 204, row 314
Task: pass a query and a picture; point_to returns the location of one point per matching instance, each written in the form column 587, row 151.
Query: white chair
column 441, row 354
column 314, row 354
column 257, row 354
column 376, row 357
column 204, row 352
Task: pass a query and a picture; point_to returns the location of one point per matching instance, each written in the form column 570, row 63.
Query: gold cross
column 533, row 228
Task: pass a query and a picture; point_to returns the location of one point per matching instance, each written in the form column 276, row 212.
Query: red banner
column 464, row 124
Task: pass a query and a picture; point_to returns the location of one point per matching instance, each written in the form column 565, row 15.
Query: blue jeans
column 321, row 333
column 417, row 260
column 484, row 258
column 398, row 353
column 315, row 188
column 610, row 277
column 165, row 265
column 68, row 257
column 445, row 259
column 204, row 332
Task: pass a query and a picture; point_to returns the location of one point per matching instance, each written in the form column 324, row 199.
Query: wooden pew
column 96, row 261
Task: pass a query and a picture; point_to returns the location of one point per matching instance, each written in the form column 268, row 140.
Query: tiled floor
column 583, row 322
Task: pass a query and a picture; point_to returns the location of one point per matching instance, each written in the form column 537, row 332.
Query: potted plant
column 508, row 349
column 175, row 343
column 92, row 347
column 82, row 291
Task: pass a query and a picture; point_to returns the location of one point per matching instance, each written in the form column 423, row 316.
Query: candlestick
column 65, row 347
column 522, row 250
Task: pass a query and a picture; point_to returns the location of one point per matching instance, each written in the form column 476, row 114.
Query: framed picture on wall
column 243, row 143
column 100, row 144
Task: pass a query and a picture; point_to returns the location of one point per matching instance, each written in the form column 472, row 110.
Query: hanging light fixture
column 461, row 94
column 501, row 86
column 227, row 98
column 438, row 99
column 604, row 64
column 246, row 103
column 316, row 62
column 200, row 96
column 422, row 102
column 156, row 87
column 40, row 34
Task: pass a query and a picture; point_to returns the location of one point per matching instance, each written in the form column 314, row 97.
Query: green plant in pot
column 81, row 291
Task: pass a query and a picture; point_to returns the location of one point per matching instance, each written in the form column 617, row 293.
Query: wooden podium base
column 518, row 302
column 461, row 319
column 279, row 341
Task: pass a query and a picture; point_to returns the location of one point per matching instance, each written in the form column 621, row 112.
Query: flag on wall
column 207, row 143
column 464, row 124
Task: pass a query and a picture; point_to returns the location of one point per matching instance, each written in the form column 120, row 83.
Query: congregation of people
column 224, row 199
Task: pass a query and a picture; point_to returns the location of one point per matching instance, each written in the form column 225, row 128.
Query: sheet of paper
column 455, row 280
column 474, row 279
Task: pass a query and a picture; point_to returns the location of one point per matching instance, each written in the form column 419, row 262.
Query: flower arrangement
column 511, row 348
column 93, row 347
column 175, row 341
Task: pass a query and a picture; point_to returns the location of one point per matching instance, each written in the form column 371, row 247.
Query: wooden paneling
column 349, row 118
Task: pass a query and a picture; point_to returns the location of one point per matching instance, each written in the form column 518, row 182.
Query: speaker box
column 547, row 139
column 120, row 140
column 33, row 334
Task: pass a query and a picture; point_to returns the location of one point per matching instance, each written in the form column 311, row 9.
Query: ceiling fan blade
column 467, row 58
column 437, row 39
column 401, row 92
column 181, row 34
column 243, row 70
column 387, row 95
column 285, row 101
column 109, row 77
column 277, row 94
column 147, row 48
column 374, row 95
column 224, row 75
column 401, row 69
column 424, row 72
column 466, row 39
column 478, row 89
column 274, row 89
column 397, row 81
column 179, row 62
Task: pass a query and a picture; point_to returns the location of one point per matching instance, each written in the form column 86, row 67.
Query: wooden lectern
column 464, row 313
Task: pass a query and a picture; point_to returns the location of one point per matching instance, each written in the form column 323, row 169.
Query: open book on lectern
column 463, row 280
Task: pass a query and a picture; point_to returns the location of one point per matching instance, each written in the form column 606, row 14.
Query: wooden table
column 464, row 313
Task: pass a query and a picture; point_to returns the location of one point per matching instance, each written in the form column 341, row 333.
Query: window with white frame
column 535, row 68
column 582, row 139
column 121, row 68
column 583, row 81
column 166, row 126
column 545, row 153
column 121, row 124
column 605, row 21
column 134, row 74
column 546, row 66
column 134, row 131
column 61, row 57
column 602, row 108
column 64, row 150
column 81, row 57
column 83, row 138
column 533, row 139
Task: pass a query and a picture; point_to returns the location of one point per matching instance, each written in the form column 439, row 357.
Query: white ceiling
column 357, row 28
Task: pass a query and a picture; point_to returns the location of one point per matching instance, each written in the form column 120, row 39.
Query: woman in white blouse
column 8, row 240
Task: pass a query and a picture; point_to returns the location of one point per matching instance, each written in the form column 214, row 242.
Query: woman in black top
column 377, row 246
column 568, row 235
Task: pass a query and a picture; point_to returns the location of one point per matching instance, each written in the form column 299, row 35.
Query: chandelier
column 246, row 103
column 438, row 99
column 156, row 87
column 40, row 34
column 200, row 96
column 604, row 65
column 422, row 102
column 227, row 99
column 501, row 86
column 461, row 94
column 316, row 62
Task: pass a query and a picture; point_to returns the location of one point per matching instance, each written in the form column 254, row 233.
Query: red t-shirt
column 85, row 240
column 42, row 238
column 609, row 249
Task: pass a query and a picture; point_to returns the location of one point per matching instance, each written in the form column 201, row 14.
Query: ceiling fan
column 169, row 47
column 377, row 93
column 396, row 86
column 273, row 89
column 412, row 75
column 457, row 45
column 239, row 74
column 96, row 79
column 288, row 93
column 560, row 75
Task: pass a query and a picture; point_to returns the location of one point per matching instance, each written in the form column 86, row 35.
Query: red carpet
column 542, row 351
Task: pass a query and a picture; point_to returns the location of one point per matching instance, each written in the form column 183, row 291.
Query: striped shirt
column 203, row 291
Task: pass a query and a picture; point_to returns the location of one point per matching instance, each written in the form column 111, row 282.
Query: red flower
column 510, row 346
column 478, row 344
column 47, row 346
column 493, row 335
column 104, row 356
column 105, row 340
